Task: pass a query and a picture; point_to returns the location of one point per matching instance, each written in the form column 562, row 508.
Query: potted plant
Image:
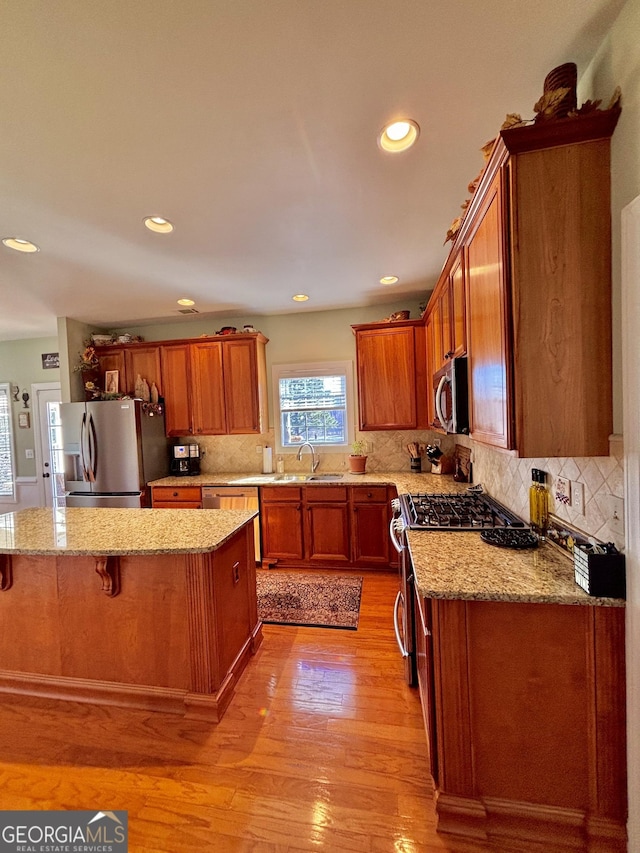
column 357, row 458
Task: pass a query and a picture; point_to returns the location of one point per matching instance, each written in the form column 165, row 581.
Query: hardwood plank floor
column 322, row 748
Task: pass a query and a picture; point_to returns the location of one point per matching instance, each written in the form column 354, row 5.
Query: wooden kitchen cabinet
column 490, row 366
column 327, row 528
column 215, row 386
column 176, row 497
column 537, row 274
column 176, row 378
column 446, row 317
column 391, row 368
column 144, row 361
column 207, row 389
column 527, row 712
column 281, row 521
column 370, row 514
column 111, row 358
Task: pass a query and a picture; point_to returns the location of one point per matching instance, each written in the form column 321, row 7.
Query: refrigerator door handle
column 83, row 430
column 93, row 451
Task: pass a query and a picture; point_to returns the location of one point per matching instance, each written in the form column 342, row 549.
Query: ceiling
column 251, row 125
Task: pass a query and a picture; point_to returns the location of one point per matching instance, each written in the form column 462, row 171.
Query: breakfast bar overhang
column 152, row 609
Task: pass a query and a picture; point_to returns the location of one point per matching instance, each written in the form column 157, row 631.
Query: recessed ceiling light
column 20, row 245
column 158, row 224
column 186, row 302
column 389, row 279
column 399, row 135
column 300, row 297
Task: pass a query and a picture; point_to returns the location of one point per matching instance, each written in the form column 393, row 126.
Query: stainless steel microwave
column 451, row 396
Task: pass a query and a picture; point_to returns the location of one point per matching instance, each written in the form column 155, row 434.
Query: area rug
column 307, row 598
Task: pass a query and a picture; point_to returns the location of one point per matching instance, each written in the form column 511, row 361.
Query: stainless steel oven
column 404, row 609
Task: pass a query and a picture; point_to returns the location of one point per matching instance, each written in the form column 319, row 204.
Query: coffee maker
column 185, row 460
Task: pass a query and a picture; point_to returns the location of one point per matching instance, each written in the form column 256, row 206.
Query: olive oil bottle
column 539, row 502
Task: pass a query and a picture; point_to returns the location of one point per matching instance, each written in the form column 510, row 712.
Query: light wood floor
column 322, row 748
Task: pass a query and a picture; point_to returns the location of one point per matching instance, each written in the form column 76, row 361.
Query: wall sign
column 24, row 421
column 50, row 360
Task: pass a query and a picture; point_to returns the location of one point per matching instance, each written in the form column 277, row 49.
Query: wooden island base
column 163, row 632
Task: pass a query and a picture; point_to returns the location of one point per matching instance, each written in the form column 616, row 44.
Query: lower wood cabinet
column 525, row 712
column 370, row 523
column 327, row 526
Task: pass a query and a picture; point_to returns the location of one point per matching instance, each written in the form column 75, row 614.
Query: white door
column 46, row 398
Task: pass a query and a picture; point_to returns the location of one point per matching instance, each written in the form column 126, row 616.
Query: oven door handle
column 396, row 624
column 393, row 527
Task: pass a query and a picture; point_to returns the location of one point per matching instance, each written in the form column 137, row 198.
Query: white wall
column 617, row 63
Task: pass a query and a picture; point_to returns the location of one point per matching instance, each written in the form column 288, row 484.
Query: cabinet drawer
column 369, row 494
column 281, row 493
column 321, row 494
column 177, row 505
column 173, row 494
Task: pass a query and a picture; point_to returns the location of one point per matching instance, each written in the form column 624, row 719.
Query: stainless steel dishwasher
column 233, row 497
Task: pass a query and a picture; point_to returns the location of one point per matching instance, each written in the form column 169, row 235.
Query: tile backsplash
column 505, row 476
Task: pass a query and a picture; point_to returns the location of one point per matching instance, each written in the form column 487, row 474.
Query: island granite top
column 111, row 532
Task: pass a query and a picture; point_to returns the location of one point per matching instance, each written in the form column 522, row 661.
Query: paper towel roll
column 267, row 460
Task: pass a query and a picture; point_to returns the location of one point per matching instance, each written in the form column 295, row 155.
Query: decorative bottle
column 280, row 465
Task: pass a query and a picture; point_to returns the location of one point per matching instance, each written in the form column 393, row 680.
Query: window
column 7, row 479
column 313, row 402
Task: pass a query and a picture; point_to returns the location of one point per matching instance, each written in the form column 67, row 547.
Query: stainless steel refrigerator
column 111, row 448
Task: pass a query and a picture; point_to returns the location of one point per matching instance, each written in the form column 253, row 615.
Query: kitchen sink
column 291, row 478
column 325, row 476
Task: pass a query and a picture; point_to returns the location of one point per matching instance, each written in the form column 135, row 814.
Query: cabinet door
column 458, row 342
column 112, row 358
column 426, row 687
column 241, row 387
column 488, row 330
column 370, row 525
column 388, row 378
column 143, row 362
column 327, row 532
column 208, row 389
column 176, row 373
column 442, row 334
column 281, row 522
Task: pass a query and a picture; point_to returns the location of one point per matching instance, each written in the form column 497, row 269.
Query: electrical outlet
column 437, row 442
column 616, row 518
column 29, row 453
column 577, row 497
column 258, row 450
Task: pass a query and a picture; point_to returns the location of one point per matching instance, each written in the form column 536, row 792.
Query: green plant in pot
column 357, row 458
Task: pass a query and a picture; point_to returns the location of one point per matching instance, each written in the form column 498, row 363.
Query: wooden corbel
column 6, row 577
column 109, row 570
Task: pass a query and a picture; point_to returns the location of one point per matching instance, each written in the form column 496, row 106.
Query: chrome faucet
column 314, row 462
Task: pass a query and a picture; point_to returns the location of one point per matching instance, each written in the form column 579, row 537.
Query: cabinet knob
column 369, row 495
column 175, row 494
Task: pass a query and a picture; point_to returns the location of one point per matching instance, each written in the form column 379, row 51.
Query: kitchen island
column 152, row 609
column 522, row 682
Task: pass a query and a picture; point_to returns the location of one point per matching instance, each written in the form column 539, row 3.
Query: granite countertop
column 459, row 565
column 404, row 481
column 107, row 532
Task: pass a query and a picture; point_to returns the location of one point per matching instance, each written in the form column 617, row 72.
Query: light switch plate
column 29, row 454
column 577, row 497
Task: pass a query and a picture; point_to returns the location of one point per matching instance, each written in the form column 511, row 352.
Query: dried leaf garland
column 615, row 98
column 453, row 230
column 547, row 105
column 513, row 120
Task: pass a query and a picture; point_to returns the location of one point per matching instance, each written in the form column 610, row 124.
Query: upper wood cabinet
column 211, row 386
column 534, row 255
column 391, row 366
column 447, row 316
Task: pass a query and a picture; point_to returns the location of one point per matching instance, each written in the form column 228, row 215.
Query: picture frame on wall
column 111, row 381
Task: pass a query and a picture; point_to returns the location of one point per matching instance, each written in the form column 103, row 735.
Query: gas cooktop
column 460, row 511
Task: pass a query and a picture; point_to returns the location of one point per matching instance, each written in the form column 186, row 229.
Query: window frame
column 10, row 498
column 309, row 369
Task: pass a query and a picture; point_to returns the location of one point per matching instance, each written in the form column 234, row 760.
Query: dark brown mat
column 307, row 598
